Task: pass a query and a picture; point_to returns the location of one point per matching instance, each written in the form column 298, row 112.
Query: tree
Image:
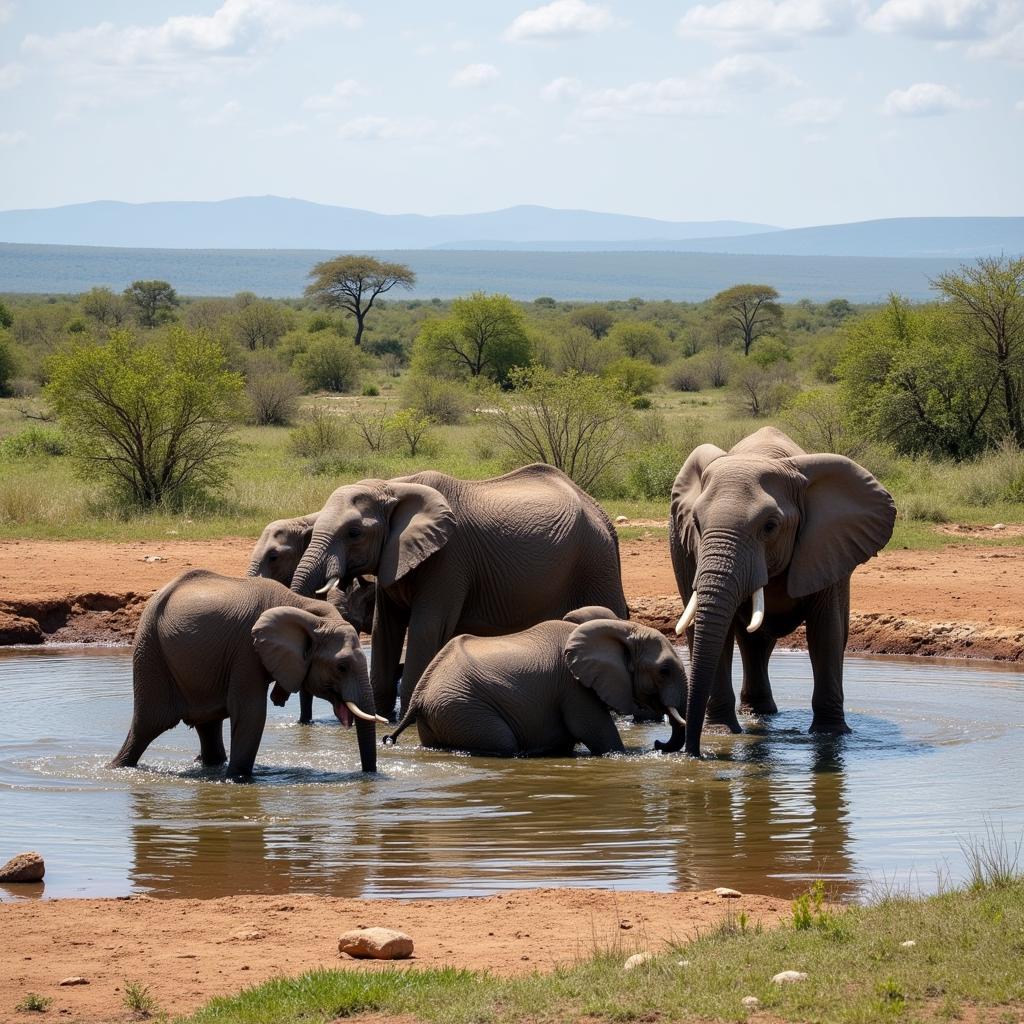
column 155, row 420
column 818, row 422
column 353, row 283
column 634, row 376
column 581, row 424
column 639, row 339
column 485, row 336
column 8, row 364
column 273, row 392
column 749, row 310
column 105, row 307
column 329, row 363
column 765, row 382
column 259, row 324
column 989, row 298
column 594, row 318
column 575, row 349
column 411, row 431
column 153, row 301
column 6, row 318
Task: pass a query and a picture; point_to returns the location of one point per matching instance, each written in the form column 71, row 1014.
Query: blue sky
column 787, row 112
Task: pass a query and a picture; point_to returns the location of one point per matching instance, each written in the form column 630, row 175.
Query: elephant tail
column 407, row 720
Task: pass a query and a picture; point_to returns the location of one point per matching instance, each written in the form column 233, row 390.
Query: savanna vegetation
column 147, row 413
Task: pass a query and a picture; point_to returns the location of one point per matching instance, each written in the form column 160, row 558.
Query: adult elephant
column 543, row 690
column 487, row 557
column 276, row 555
column 764, row 538
column 207, row 648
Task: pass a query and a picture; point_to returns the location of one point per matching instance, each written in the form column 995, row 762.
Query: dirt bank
column 188, row 951
column 956, row 601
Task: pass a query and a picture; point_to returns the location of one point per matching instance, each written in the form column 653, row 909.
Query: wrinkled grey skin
column 767, row 514
column 276, row 556
column 546, row 689
column 207, row 648
column 487, row 557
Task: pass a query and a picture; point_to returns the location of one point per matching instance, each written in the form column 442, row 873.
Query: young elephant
column 208, row 646
column 546, row 689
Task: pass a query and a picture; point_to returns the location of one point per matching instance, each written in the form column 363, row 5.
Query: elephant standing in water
column 763, row 538
column 208, row 646
column 546, row 689
column 487, row 557
column 276, row 556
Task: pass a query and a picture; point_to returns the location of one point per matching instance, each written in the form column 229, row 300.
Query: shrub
column 153, row 301
column 444, row 401
column 8, row 364
column 595, row 318
column 683, row 376
column 154, row 420
column 33, row 442
column 819, row 422
column 34, row 1003
column 273, row 393
column 922, row 508
column 410, row 432
column 370, row 391
column 329, row 363
column 632, row 375
column 371, row 427
column 321, row 435
column 640, row 339
column 641, row 402
column 652, row 471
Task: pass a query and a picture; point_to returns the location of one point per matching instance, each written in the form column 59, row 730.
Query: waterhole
column 936, row 758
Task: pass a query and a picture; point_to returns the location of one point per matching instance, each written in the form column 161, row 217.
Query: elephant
column 487, row 557
column 764, row 538
column 547, row 688
column 276, row 555
column 206, row 649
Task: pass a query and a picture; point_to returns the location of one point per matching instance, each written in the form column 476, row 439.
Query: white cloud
column 813, row 110
column 371, row 128
column 472, row 76
column 933, row 19
column 1006, row 44
column 924, row 99
column 341, row 95
column 223, row 114
column 767, row 24
column 6, row 11
column 10, row 75
column 559, row 89
column 705, row 94
column 12, row 138
column 561, row 19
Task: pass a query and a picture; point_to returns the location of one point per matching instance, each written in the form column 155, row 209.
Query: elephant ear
column 848, row 517
column 283, row 639
column 589, row 612
column 421, row 522
column 598, row 655
column 683, row 538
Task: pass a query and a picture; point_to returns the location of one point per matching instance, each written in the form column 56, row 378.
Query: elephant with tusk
column 763, row 539
column 547, row 688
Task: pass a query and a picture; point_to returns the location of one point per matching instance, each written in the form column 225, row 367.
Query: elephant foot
column 306, row 721
column 727, row 721
column 760, row 707
column 830, row 728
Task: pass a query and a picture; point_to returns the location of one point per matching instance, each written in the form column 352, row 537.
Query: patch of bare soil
column 188, row 951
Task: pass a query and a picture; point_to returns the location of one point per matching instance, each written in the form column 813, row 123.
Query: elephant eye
column 272, row 556
column 666, row 669
column 354, row 531
column 770, row 527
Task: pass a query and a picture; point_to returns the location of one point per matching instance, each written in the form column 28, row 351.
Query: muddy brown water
column 936, row 758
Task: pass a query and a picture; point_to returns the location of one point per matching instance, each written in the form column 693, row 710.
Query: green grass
column 967, row 952
column 34, row 1003
column 138, row 999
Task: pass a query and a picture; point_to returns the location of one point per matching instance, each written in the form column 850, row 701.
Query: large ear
column 598, row 655
column 420, row 524
column 685, row 492
column 588, row 612
column 848, row 517
column 283, row 638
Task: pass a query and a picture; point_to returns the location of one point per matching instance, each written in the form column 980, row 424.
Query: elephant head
column 356, row 603
column 280, row 548
column 631, row 668
column 754, row 515
column 379, row 527
column 321, row 655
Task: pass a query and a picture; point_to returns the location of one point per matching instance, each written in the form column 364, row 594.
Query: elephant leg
column 211, row 743
column 142, row 732
column 428, row 633
column 247, row 712
column 390, row 623
column 594, row 728
column 722, row 702
column 305, row 707
column 756, row 691
column 828, row 628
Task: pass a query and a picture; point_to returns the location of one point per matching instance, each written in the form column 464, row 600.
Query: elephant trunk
column 318, row 566
column 366, row 732
column 254, row 568
column 675, row 741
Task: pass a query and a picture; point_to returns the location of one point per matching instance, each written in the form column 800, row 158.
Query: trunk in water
column 674, row 742
column 366, row 732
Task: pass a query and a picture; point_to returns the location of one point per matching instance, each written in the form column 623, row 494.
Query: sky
column 785, row 112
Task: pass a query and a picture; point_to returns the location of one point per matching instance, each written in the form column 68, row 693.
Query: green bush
column 652, row 471
column 641, row 402
column 634, row 376
column 444, row 401
column 683, row 376
column 370, row 391
column 329, row 363
column 320, row 436
column 33, row 442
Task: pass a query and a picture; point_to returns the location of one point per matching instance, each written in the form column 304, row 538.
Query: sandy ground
column 188, row 951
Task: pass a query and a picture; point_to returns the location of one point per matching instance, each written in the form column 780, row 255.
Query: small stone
column 153, row 558
column 376, row 944
column 683, row 963
column 637, row 959
column 75, row 979
column 625, row 925
column 622, row 519
column 26, row 867
column 999, row 526
column 248, row 935
column 788, row 977
column 750, row 1002
column 728, row 894
column 908, row 944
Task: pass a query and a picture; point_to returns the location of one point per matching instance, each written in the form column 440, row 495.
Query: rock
column 637, row 959
column 750, row 1002
column 683, row 963
column 75, row 979
column 788, row 977
column 248, row 935
column 622, row 519
column 26, row 867
column 376, row 944
column 153, row 558
column 908, row 944
column 728, row 894
column 999, row 526
column 19, row 629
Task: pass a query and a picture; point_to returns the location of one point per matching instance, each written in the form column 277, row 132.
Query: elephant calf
column 546, row 689
column 207, row 648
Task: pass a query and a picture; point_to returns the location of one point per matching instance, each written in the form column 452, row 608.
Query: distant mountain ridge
column 272, row 222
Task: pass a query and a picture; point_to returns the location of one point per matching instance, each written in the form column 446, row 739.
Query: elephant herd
column 506, row 597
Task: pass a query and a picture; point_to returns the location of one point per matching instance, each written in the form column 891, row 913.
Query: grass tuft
column 138, row 999
column 34, row 1003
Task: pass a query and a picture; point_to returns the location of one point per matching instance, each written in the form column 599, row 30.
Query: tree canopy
column 749, row 310
column 153, row 301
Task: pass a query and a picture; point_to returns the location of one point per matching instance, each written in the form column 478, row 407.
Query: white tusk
column 332, row 582
column 381, row 719
column 673, row 713
column 689, row 614
column 757, row 616
column 359, row 712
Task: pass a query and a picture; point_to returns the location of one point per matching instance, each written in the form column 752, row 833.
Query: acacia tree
column 989, row 297
column 354, row 282
column 259, row 324
column 155, row 420
column 749, row 310
column 153, row 301
column 105, row 307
